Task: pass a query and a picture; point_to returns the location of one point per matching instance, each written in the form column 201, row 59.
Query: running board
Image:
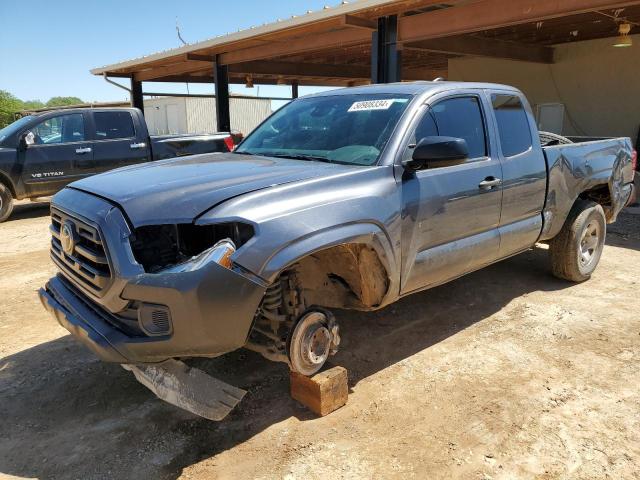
column 188, row 388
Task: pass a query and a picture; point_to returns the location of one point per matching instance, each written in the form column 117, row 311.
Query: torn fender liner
column 188, row 388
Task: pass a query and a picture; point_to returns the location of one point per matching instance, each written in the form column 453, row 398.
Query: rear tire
column 576, row 250
column 6, row 202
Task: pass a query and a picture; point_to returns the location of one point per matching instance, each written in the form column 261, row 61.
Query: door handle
column 81, row 151
column 489, row 182
column 135, row 146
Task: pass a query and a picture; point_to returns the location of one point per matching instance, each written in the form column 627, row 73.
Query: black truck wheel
column 576, row 250
column 6, row 203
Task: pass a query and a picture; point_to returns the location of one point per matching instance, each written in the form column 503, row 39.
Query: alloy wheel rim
column 589, row 243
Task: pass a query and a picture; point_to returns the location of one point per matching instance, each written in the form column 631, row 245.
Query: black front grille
column 86, row 263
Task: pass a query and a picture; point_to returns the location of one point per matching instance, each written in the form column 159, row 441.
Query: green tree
column 32, row 104
column 8, row 106
column 63, row 101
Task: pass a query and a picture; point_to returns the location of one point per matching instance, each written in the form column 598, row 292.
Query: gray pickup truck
column 347, row 199
column 41, row 153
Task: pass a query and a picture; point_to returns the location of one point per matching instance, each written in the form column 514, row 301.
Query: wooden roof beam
column 336, row 39
column 359, row 22
column 196, row 57
column 492, row 14
column 337, row 82
column 485, row 47
column 170, row 70
column 301, row 69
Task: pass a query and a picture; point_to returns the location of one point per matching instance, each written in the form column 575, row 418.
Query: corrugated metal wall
column 198, row 114
column 201, row 115
column 165, row 115
column 246, row 114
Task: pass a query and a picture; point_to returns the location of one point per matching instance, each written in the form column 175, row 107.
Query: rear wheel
column 6, row 202
column 576, row 250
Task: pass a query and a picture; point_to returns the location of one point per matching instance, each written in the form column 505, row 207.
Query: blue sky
column 48, row 47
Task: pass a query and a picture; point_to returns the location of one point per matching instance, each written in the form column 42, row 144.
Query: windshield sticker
column 372, row 105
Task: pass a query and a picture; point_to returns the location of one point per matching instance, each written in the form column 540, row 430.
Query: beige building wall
column 598, row 84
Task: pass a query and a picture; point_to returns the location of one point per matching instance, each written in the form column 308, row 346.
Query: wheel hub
column 589, row 242
column 316, row 348
column 314, row 338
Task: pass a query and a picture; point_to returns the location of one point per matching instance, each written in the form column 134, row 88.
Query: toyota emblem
column 68, row 238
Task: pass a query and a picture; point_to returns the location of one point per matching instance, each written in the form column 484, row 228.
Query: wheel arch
column 5, row 180
column 334, row 259
column 607, row 191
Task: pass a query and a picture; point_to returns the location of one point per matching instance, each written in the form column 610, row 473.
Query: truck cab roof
column 414, row 88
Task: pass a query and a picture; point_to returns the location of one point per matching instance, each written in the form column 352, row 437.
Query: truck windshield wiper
column 298, row 156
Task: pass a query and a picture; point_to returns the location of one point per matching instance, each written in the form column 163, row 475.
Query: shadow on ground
column 63, row 414
column 24, row 210
column 625, row 232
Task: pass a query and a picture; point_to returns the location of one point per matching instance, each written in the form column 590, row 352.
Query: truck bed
column 169, row 146
column 581, row 167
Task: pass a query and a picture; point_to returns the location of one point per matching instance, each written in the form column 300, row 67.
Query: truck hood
column 180, row 189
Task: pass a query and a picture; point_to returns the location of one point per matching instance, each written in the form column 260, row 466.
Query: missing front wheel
column 287, row 331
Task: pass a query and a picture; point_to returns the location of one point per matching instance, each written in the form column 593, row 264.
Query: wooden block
column 323, row 393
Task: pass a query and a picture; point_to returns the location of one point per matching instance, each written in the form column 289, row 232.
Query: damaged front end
column 188, row 388
column 165, row 292
column 161, row 248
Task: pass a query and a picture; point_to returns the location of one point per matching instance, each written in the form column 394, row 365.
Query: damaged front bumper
column 211, row 311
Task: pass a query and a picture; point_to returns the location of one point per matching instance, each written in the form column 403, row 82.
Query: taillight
column 634, row 160
column 228, row 141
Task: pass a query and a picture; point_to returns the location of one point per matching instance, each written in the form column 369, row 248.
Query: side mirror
column 431, row 152
column 26, row 139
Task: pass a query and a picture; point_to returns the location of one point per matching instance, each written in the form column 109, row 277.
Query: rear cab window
column 113, row 125
column 513, row 125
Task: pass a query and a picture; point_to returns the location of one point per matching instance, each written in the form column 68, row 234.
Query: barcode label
column 371, row 105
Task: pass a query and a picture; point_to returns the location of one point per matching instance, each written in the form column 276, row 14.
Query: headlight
column 220, row 253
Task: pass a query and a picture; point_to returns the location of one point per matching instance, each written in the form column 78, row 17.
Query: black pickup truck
column 40, row 154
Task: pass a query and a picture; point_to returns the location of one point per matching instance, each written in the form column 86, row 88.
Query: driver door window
column 60, row 129
column 426, row 128
column 459, row 117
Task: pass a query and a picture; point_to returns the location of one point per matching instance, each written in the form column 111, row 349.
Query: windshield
column 348, row 129
column 14, row 127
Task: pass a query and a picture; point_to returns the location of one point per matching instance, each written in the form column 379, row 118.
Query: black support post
column 221, row 78
column 294, row 89
column 136, row 95
column 386, row 60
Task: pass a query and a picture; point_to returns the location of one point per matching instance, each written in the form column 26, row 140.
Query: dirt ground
column 506, row 373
